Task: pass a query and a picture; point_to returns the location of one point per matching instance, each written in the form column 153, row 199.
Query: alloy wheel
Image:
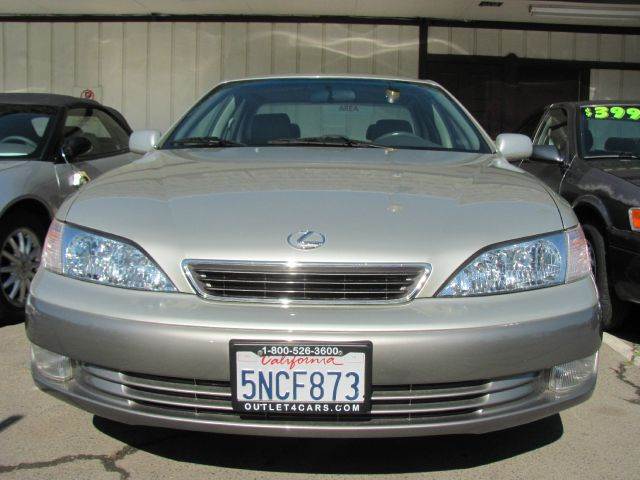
column 19, row 260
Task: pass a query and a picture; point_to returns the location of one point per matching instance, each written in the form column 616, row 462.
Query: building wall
column 154, row 71
column 615, row 85
column 604, row 85
column 534, row 44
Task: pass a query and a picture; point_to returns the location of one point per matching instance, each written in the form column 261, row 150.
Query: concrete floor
column 43, row 438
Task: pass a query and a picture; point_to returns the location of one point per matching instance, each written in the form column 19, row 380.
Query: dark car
column 589, row 152
column 49, row 145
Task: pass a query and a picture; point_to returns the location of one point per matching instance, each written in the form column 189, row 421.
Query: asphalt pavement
column 43, row 438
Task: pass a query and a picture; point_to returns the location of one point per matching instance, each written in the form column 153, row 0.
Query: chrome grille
column 173, row 396
column 329, row 283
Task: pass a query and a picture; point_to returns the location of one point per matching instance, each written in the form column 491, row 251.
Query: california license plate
column 301, row 378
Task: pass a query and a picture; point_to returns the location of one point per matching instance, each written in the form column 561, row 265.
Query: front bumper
column 485, row 346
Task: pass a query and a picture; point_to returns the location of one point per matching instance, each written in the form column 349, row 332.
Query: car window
column 23, row 131
column 107, row 137
column 287, row 111
column 610, row 130
column 555, row 131
column 352, row 120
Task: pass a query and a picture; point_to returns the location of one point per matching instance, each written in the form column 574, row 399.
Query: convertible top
column 44, row 99
column 58, row 101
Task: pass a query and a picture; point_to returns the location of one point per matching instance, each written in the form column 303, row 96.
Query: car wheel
column 21, row 239
column 613, row 310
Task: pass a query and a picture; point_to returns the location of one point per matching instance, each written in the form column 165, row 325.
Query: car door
column 109, row 145
column 553, row 130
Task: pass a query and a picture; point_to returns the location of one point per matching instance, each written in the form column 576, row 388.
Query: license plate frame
column 270, row 408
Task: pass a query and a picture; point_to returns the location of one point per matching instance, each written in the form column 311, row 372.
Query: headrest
column 68, row 131
column 270, row 126
column 588, row 139
column 384, row 126
column 619, row 144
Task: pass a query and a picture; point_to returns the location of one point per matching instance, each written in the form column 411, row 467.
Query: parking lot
column 43, row 438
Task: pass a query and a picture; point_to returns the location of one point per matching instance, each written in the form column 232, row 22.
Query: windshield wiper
column 205, row 142
column 326, row 140
column 621, row 155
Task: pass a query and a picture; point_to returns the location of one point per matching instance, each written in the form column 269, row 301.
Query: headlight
column 89, row 256
column 534, row 263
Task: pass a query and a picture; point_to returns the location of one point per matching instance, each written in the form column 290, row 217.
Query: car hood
column 372, row 205
column 7, row 164
column 628, row 170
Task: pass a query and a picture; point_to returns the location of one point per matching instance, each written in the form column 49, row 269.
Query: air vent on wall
column 490, row 4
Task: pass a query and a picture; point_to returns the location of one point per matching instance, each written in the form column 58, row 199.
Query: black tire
column 10, row 313
column 613, row 310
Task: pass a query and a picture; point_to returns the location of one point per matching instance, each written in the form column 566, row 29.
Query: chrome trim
column 419, row 284
column 395, row 402
column 301, row 242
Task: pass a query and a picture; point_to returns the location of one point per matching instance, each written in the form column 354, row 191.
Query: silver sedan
column 318, row 256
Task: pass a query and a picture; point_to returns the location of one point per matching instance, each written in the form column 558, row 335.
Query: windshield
column 328, row 112
column 610, row 131
column 23, row 131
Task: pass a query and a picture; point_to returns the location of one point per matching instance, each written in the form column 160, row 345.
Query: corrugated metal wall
column 153, row 72
column 615, row 85
column 605, row 84
column 534, row 44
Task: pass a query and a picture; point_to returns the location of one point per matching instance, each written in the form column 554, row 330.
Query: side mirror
column 143, row 141
column 73, row 147
column 547, row 154
column 514, row 146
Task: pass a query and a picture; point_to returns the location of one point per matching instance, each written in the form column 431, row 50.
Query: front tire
column 21, row 239
column 613, row 310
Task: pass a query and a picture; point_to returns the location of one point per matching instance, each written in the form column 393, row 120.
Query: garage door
column 509, row 97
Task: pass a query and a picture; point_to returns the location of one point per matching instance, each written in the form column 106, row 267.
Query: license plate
column 285, row 378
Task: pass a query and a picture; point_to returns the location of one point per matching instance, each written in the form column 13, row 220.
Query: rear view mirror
column 74, row 147
column 341, row 95
column 143, row 141
column 514, row 146
column 547, row 154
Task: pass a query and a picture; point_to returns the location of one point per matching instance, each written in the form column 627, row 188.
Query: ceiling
column 511, row 10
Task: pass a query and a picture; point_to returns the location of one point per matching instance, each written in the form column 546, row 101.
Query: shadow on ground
column 337, row 456
column 7, row 422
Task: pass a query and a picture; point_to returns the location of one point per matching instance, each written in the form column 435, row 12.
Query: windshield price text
column 602, row 112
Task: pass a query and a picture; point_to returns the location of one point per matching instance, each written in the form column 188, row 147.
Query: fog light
column 51, row 365
column 569, row 375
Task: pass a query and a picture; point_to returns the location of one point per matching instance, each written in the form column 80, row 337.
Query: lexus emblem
column 306, row 240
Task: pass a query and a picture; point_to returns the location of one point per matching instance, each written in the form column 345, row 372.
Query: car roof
column 588, row 103
column 333, row 76
column 45, row 99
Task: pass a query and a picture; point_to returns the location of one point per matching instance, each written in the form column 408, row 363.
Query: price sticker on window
column 612, row 112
